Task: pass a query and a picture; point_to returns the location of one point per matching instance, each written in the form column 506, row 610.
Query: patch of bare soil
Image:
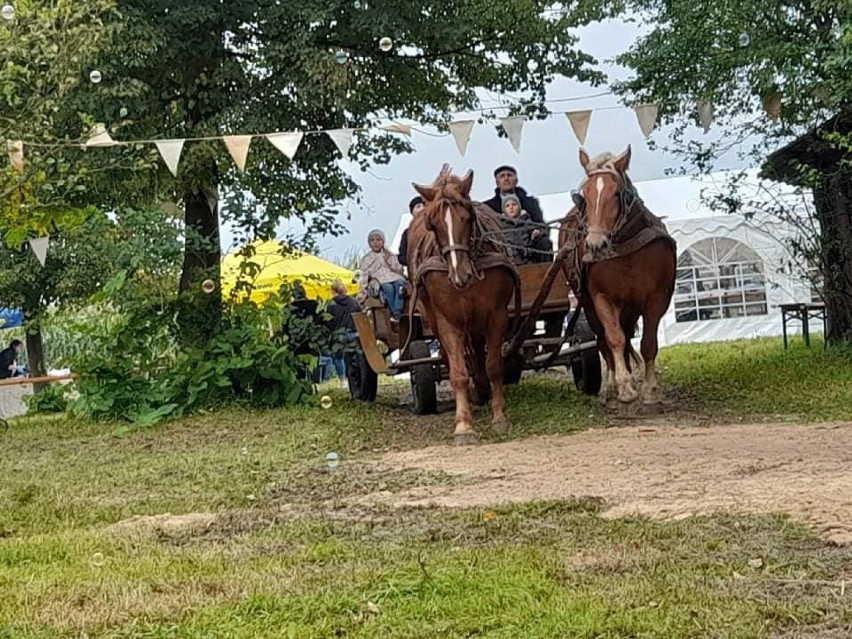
column 166, row 522
column 656, row 469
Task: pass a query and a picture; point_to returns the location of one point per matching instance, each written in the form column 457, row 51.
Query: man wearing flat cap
column 414, row 207
column 506, row 178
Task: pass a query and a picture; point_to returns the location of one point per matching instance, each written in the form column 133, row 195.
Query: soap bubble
column 8, row 12
column 325, row 402
column 95, row 76
column 208, row 286
column 98, row 559
column 385, row 44
column 332, row 459
column 341, row 57
column 744, row 39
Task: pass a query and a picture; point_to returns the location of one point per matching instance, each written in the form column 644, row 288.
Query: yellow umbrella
column 315, row 274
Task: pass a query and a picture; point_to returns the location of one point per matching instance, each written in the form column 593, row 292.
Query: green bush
column 137, row 372
column 53, row 399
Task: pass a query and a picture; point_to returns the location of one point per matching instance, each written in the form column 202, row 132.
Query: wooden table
column 802, row 312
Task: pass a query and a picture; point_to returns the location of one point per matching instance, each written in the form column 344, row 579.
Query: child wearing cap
column 526, row 243
column 382, row 268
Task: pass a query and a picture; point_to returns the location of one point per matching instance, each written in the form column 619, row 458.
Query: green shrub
column 137, row 372
column 53, row 399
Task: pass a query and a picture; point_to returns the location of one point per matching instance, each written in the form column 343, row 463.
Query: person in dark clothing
column 506, row 178
column 414, row 207
column 8, row 359
column 307, row 331
column 342, row 325
column 526, row 243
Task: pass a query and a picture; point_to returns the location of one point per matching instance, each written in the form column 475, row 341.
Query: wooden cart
column 378, row 337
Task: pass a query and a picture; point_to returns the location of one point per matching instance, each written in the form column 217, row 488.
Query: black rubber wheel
column 586, row 368
column 512, row 370
column 587, row 372
column 363, row 380
column 424, row 380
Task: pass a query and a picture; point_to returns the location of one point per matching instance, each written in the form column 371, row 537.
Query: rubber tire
column 586, row 369
column 424, row 380
column 512, row 370
column 587, row 372
column 363, row 380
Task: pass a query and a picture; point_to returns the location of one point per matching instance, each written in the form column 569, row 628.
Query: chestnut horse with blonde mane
column 624, row 264
column 463, row 283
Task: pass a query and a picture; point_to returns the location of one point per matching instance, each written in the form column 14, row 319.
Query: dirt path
column 658, row 470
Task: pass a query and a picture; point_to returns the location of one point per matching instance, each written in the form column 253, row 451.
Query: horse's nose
column 597, row 241
column 460, row 279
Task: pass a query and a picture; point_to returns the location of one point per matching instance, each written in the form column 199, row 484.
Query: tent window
column 719, row 278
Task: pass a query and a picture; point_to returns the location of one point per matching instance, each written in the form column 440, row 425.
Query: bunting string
column 288, row 142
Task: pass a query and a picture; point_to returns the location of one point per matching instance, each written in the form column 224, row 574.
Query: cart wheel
column 363, row 381
column 587, row 372
column 424, row 380
column 586, row 368
column 512, row 370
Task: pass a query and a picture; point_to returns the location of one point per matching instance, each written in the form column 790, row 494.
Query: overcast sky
column 546, row 164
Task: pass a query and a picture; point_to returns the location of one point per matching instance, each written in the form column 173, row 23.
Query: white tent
column 731, row 275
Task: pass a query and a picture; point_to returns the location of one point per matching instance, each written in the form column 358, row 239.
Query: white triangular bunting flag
column 405, row 129
column 705, row 114
column 16, row 154
column 342, row 139
column 514, row 127
column 39, row 247
column 580, row 124
column 238, row 147
column 461, row 133
column 647, row 116
column 170, row 150
column 99, row 136
column 287, row 143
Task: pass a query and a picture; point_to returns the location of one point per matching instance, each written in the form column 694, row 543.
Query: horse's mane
column 601, row 161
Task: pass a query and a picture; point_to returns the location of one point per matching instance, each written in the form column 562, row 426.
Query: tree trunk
column 833, row 204
column 35, row 355
column 199, row 312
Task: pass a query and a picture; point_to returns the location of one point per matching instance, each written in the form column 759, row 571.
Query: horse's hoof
column 466, row 438
column 500, row 426
column 628, row 396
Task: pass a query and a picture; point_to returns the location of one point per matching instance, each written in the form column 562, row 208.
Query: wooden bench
column 803, row 312
column 13, row 390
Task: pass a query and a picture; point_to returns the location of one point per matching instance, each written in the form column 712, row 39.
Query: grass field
column 277, row 550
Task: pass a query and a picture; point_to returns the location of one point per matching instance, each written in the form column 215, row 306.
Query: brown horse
column 626, row 262
column 464, row 284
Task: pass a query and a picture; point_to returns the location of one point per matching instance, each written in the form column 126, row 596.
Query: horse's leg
column 649, row 348
column 480, row 375
column 453, row 343
column 609, row 317
column 497, row 326
column 611, row 389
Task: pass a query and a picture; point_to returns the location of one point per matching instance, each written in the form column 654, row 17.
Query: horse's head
column 601, row 197
column 450, row 216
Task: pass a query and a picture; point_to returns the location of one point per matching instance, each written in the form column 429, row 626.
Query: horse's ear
column 585, row 160
column 466, row 184
column 622, row 162
column 426, row 192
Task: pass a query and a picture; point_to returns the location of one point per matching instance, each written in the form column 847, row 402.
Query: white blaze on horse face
column 596, row 238
column 454, row 259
